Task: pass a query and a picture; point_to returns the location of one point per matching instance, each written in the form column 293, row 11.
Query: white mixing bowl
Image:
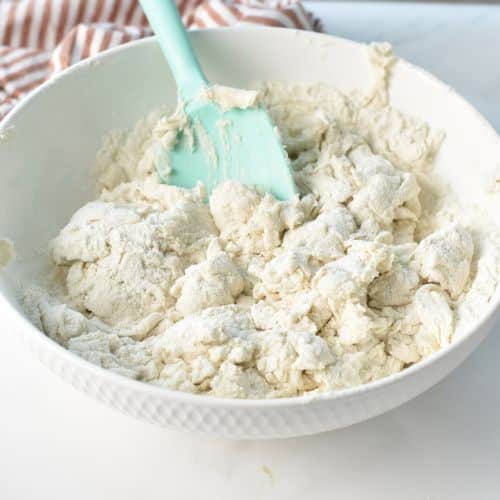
column 50, row 141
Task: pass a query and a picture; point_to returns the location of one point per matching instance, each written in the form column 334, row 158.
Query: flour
column 6, row 134
column 229, row 98
column 250, row 297
column 7, row 252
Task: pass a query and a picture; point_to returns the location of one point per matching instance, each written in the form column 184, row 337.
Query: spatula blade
column 238, row 144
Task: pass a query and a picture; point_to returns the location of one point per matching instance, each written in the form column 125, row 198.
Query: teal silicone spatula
column 238, row 144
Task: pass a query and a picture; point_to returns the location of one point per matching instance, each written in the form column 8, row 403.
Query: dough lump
column 245, row 296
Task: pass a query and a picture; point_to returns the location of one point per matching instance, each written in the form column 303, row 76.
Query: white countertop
column 58, row 444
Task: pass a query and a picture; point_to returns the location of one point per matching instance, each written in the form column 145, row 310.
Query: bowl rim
column 492, row 310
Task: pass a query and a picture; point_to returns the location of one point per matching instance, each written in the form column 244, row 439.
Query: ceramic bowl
column 50, row 140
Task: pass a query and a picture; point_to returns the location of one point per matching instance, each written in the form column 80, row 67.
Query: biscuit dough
column 249, row 297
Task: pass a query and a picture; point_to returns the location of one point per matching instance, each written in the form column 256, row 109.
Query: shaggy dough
column 250, row 297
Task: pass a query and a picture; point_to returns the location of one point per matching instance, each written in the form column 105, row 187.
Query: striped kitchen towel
column 39, row 38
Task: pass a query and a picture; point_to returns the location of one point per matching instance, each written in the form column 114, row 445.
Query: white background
column 57, row 444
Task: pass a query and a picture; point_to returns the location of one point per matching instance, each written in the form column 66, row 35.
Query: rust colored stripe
column 80, row 12
column 23, row 72
column 126, row 38
column 262, row 20
column 61, row 25
column 143, row 21
column 25, row 88
column 214, row 15
column 11, row 19
column 28, row 20
column 114, row 11
column 98, row 11
column 106, row 40
column 189, row 14
column 130, row 12
column 235, row 11
column 66, row 48
column 25, row 55
column 293, row 17
column 87, row 43
column 182, row 7
column 199, row 23
column 299, row 9
column 44, row 24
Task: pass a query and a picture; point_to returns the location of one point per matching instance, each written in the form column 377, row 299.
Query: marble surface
column 459, row 43
column 56, row 443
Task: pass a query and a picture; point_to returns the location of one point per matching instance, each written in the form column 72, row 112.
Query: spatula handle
column 167, row 24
